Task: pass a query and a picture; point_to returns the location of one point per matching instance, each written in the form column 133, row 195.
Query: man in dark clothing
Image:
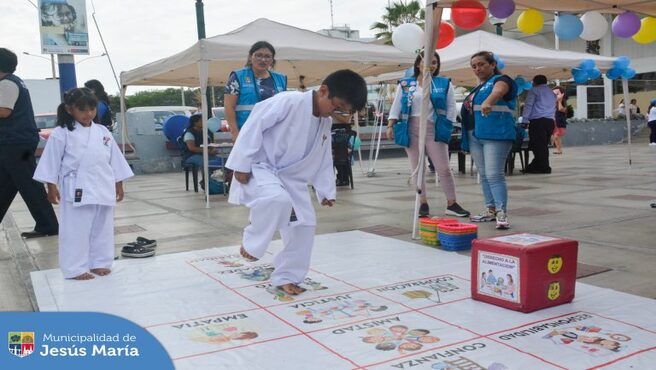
column 539, row 110
column 18, row 141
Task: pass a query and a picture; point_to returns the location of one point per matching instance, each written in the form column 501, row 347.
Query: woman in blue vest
column 406, row 109
column 252, row 84
column 488, row 133
column 103, row 112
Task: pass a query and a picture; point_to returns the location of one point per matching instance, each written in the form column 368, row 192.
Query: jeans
column 197, row 159
column 490, row 159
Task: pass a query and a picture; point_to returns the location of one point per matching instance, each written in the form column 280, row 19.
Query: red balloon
column 447, row 34
column 468, row 14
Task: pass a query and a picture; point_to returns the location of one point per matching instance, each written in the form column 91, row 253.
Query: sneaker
column 652, row 144
column 423, row 210
column 137, row 252
column 456, row 210
column 485, row 216
column 502, row 220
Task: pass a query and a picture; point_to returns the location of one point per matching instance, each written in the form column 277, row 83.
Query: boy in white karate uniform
column 84, row 169
column 284, row 146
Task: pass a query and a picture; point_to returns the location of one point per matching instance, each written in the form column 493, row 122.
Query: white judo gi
column 285, row 148
column 86, row 164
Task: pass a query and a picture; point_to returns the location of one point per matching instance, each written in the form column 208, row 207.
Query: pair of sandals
column 143, row 247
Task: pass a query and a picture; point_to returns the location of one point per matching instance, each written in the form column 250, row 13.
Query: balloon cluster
column 522, row 84
column 586, row 71
column 621, row 69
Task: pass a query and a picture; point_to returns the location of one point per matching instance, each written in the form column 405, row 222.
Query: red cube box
column 524, row 272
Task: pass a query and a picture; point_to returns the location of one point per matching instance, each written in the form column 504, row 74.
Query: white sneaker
column 485, row 216
column 502, row 220
column 652, row 144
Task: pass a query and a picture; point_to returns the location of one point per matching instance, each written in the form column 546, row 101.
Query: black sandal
column 143, row 242
column 137, row 251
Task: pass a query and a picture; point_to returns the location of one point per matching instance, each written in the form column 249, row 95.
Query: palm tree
column 396, row 14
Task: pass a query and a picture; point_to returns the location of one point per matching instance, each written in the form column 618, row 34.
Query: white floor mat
column 372, row 302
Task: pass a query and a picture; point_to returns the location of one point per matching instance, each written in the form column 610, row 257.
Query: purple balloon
column 626, row 25
column 501, row 8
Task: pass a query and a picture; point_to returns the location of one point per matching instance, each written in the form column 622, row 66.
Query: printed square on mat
column 317, row 285
column 219, row 332
column 336, row 310
column 477, row 354
column 387, row 338
column 426, row 292
column 583, row 340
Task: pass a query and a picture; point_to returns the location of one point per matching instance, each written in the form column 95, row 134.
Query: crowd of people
column 282, row 143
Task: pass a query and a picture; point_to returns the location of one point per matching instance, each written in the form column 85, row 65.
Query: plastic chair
column 342, row 143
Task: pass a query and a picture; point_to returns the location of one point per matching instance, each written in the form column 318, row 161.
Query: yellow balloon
column 647, row 32
column 530, row 21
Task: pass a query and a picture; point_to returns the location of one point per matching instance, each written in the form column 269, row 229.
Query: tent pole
column 124, row 127
column 627, row 113
column 203, row 77
column 431, row 34
column 356, row 119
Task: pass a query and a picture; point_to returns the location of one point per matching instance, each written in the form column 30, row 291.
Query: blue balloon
column 587, row 64
column 579, row 79
column 628, row 73
column 501, row 64
column 409, row 72
column 622, row 62
column 594, row 73
column 213, row 124
column 519, row 80
column 568, row 27
column 613, row 73
column 580, row 75
column 528, row 85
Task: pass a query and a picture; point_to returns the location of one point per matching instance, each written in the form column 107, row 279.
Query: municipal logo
column 21, row 343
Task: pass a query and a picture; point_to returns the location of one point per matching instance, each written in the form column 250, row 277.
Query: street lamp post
column 52, row 62
column 91, row 57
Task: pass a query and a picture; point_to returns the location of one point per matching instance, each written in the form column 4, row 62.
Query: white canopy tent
column 520, row 58
column 306, row 57
column 432, row 30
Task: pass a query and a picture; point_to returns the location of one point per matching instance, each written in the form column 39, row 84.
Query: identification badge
column 78, row 195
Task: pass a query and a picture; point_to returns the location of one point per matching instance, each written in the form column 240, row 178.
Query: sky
column 138, row 32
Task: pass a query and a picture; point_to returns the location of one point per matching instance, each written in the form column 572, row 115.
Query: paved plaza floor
column 592, row 196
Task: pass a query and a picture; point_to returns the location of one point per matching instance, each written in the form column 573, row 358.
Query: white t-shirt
column 8, row 94
column 395, row 110
column 652, row 114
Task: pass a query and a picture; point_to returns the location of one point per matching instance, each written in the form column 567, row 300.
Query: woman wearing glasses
column 407, row 107
column 252, row 84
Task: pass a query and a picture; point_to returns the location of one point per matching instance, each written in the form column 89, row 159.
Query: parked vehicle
column 45, row 122
column 163, row 112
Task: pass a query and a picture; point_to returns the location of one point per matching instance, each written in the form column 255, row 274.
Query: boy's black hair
column 8, row 61
column 194, row 119
column 348, row 85
column 81, row 98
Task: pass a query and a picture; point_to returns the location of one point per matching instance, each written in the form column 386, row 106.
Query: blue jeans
column 197, row 159
column 490, row 158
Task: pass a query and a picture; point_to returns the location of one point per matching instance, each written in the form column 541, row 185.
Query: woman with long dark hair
column 560, row 118
column 103, row 112
column 252, row 84
column 406, row 111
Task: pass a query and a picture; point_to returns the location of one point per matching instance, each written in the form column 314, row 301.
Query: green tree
column 170, row 96
column 397, row 14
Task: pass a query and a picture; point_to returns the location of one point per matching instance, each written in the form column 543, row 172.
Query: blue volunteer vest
column 19, row 127
column 249, row 94
column 500, row 123
column 439, row 90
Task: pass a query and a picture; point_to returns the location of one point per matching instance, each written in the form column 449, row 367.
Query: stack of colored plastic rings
column 428, row 229
column 456, row 236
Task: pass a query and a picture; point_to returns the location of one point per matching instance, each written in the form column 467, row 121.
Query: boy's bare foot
column 291, row 289
column 101, row 271
column 247, row 256
column 85, row 276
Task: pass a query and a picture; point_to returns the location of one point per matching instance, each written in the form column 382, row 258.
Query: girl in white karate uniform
column 84, row 171
column 284, row 146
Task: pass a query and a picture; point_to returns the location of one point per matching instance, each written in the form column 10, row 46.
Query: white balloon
column 408, row 37
column 594, row 26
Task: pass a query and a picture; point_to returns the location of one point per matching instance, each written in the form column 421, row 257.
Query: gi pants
column 270, row 211
column 86, row 238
